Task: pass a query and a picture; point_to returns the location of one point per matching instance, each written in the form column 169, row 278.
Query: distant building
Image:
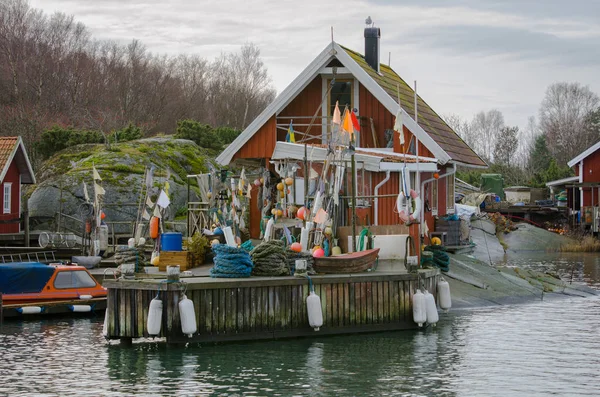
column 16, row 171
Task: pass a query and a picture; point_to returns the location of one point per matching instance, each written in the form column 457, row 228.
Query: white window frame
column 6, row 199
column 450, row 202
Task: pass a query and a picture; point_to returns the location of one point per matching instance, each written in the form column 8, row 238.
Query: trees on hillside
column 53, row 73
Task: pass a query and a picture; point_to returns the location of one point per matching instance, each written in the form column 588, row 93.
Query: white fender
column 431, row 309
column 315, row 313
column 155, row 317
column 80, row 308
column 269, row 229
column 444, row 297
column 419, row 311
column 105, row 326
column 30, row 309
column 187, row 316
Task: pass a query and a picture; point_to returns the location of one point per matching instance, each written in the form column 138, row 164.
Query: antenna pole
column 332, row 34
column 390, row 60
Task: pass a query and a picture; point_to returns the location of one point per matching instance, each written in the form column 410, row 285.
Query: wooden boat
column 36, row 288
column 354, row 262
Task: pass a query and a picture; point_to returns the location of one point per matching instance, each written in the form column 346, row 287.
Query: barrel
column 172, row 241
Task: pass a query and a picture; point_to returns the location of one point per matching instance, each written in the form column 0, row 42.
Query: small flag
column 149, row 202
column 166, row 187
column 99, row 189
column 398, row 126
column 95, row 174
column 157, row 212
column 146, row 215
column 347, row 125
column 249, row 192
column 86, row 195
column 150, row 178
column 290, row 137
column 355, row 122
column 163, row 200
column 337, row 118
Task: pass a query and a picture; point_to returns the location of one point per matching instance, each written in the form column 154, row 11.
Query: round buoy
column 436, row 241
column 318, row 253
column 296, row 247
column 257, row 182
column 289, row 181
column 280, row 187
column 302, row 213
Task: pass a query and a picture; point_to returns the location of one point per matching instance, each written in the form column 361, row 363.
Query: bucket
column 172, row 242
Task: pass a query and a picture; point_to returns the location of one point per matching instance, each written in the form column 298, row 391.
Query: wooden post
column 26, row 223
column 353, row 203
column 60, row 208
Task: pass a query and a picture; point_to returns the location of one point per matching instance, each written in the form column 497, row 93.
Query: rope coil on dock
column 270, row 259
column 230, row 262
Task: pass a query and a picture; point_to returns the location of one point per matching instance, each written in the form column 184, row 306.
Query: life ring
column 409, row 212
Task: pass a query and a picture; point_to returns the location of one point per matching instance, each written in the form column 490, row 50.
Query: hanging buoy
column 444, row 297
column 131, row 243
column 155, row 317
column 419, row 311
column 105, row 326
column 30, row 310
column 188, row 317
column 80, row 308
column 296, row 247
column 315, row 313
column 431, row 309
column 154, row 227
column 142, row 242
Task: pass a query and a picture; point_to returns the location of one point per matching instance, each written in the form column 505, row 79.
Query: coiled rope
column 270, row 259
column 230, row 262
column 440, row 257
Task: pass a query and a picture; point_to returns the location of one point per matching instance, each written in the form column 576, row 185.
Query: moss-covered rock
column 122, row 169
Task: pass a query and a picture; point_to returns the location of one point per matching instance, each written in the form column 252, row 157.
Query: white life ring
column 416, row 201
column 409, row 210
column 402, row 206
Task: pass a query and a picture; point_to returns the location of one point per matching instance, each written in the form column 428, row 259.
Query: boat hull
column 354, row 262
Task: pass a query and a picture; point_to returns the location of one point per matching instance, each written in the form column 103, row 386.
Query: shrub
column 129, row 133
column 202, row 134
column 57, row 139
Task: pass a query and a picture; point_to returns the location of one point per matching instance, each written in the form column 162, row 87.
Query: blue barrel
column 171, row 242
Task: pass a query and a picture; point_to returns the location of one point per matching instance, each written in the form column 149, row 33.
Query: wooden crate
column 172, row 258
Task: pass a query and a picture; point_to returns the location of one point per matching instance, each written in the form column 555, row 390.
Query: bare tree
column 485, row 128
column 506, row 146
column 563, row 114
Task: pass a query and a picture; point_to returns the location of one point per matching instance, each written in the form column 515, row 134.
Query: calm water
column 540, row 349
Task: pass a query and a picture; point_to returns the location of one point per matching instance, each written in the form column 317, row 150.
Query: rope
column 361, row 239
column 230, row 262
column 247, row 246
column 291, row 262
column 439, row 259
column 270, row 259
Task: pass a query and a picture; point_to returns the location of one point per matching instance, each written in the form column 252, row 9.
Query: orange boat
column 36, row 288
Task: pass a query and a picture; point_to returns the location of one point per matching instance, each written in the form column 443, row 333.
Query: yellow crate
column 173, row 258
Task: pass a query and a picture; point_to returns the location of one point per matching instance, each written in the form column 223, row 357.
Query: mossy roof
column 429, row 120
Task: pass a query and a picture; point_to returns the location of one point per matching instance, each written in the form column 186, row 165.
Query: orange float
column 154, row 222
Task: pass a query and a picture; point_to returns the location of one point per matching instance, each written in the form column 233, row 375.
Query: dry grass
column 587, row 244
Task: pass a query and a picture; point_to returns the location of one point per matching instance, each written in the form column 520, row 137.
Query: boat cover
column 22, row 278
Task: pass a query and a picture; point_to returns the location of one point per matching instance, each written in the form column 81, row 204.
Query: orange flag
column 347, row 125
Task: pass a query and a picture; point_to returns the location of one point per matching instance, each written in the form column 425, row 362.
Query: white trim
column 4, row 200
column 304, row 78
column 324, row 110
column 584, row 154
column 467, row 165
column 19, row 145
column 356, row 96
column 423, row 167
column 580, row 181
column 450, row 208
column 397, row 155
column 339, row 72
column 280, row 102
column 563, row 181
column 20, row 203
column 390, row 104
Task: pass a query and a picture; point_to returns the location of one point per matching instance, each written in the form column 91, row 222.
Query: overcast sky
column 467, row 55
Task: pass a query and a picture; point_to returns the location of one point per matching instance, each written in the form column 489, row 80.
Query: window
column 7, row 196
column 74, row 279
column 450, row 195
column 342, row 92
column 434, row 197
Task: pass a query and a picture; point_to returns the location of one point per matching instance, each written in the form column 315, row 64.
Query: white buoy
column 155, row 317
column 188, row 317
column 30, row 310
column 419, row 311
column 269, row 229
column 141, row 242
column 431, row 309
column 131, row 243
column 444, row 297
column 85, row 297
column 80, row 308
column 315, row 313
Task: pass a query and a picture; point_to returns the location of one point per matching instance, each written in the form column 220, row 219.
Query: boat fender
column 155, row 317
column 419, row 311
column 85, row 297
column 431, row 309
column 269, row 229
column 30, row 309
column 80, row 308
column 444, row 297
column 188, row 316
column 315, row 313
column 131, row 243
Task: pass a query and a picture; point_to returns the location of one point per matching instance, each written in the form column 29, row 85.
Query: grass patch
column 587, row 244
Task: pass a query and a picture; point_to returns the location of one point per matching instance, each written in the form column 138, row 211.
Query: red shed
column 16, row 170
column 376, row 94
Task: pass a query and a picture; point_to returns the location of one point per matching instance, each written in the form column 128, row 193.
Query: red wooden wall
column 11, row 176
column 305, row 104
column 591, row 173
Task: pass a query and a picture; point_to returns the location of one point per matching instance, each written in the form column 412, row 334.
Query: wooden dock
column 267, row 307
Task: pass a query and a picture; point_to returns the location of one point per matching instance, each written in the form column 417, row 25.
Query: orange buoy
column 302, row 213
column 296, row 247
column 154, row 227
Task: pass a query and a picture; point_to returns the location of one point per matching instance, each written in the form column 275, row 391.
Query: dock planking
column 267, row 307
